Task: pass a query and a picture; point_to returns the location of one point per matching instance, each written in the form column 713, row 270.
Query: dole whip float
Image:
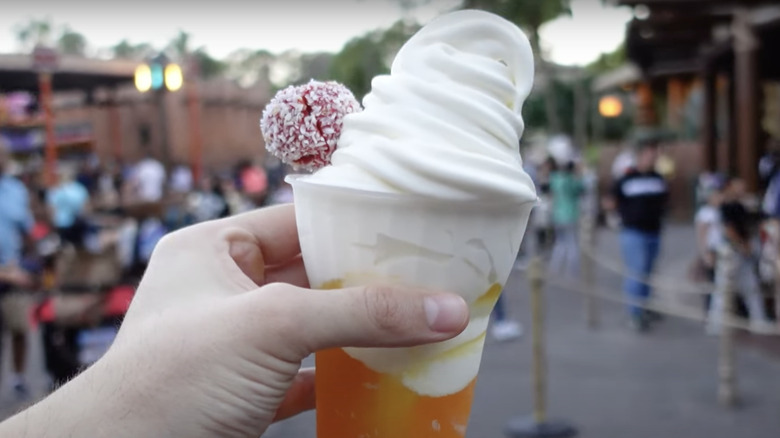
column 425, row 186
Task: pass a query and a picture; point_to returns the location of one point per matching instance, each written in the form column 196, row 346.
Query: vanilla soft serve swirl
column 445, row 123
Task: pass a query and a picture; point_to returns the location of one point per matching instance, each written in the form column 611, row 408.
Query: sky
column 223, row 26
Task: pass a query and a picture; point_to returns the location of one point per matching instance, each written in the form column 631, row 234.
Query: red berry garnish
column 302, row 124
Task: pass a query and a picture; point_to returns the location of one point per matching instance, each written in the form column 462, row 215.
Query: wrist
column 91, row 404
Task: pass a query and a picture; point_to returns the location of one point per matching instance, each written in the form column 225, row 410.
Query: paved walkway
column 610, row 383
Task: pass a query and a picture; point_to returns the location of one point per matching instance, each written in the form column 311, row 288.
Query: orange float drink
column 355, row 401
column 349, row 238
column 425, row 187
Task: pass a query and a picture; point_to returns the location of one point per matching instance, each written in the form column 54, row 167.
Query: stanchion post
column 587, row 247
column 727, row 394
column 536, row 280
column 538, row 426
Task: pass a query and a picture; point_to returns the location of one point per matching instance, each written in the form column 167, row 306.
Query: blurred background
column 124, row 122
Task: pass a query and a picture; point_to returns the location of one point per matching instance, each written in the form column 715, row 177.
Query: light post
column 45, row 62
column 609, row 107
column 160, row 76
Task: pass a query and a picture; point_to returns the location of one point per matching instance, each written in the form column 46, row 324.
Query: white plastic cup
column 352, row 237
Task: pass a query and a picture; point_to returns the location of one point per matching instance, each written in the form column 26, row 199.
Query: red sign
column 45, row 59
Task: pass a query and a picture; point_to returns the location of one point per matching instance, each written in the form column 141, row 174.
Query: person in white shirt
column 148, row 180
column 709, row 232
column 181, row 179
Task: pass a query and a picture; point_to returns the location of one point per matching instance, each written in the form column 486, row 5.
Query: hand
column 213, row 341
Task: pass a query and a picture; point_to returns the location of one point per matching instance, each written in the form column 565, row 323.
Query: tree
column 369, row 55
column 315, row 66
column 125, row 49
column 208, row 66
column 179, row 49
column 32, row 33
column 71, row 43
column 179, row 46
column 608, row 61
column 248, row 67
column 531, row 15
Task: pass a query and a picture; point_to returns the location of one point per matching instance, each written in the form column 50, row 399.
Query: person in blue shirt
column 16, row 221
column 67, row 203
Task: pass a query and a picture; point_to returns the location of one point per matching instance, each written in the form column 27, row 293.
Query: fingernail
column 445, row 312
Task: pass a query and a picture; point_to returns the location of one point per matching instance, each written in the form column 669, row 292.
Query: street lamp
column 160, row 76
column 143, row 78
column 610, row 106
column 158, row 72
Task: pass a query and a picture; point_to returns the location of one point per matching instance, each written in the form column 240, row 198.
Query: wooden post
column 587, row 243
column 115, row 126
column 708, row 133
column 747, row 100
column 538, row 426
column 196, row 140
column 726, row 371
column 536, row 281
column 45, row 88
column 675, row 99
column 580, row 114
column 732, row 145
column 645, row 115
column 162, row 111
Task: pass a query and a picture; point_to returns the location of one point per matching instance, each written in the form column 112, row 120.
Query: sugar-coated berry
column 302, row 124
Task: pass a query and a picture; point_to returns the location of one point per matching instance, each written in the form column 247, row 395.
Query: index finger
column 272, row 229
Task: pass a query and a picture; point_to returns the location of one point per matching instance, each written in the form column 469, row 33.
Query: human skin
column 213, row 341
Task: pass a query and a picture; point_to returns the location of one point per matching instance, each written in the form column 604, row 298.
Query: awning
column 73, row 73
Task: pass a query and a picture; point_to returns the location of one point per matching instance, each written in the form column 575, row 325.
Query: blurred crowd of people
column 95, row 210
column 738, row 237
column 567, row 188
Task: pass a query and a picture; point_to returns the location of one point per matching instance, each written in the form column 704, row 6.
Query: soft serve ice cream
column 444, row 124
column 425, row 187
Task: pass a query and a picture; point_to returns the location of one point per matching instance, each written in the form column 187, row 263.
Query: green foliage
column 126, row 50
column 41, row 31
column 209, row 67
column 72, row 43
column 608, row 61
column 247, row 66
column 314, row 66
column 35, row 31
column 535, row 112
column 369, row 55
column 528, row 14
column 179, row 46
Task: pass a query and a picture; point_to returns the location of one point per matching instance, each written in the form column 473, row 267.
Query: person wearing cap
column 640, row 197
column 16, row 222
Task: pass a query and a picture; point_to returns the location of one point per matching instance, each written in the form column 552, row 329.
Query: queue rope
column 737, row 323
column 657, row 285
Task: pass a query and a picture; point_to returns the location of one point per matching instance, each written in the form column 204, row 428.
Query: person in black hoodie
column 640, row 197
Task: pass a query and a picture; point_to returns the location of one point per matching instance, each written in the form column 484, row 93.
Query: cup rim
column 300, row 180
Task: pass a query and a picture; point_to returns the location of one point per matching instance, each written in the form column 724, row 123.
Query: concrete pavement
column 613, row 383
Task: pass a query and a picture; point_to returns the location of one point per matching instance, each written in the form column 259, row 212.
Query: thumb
column 367, row 316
